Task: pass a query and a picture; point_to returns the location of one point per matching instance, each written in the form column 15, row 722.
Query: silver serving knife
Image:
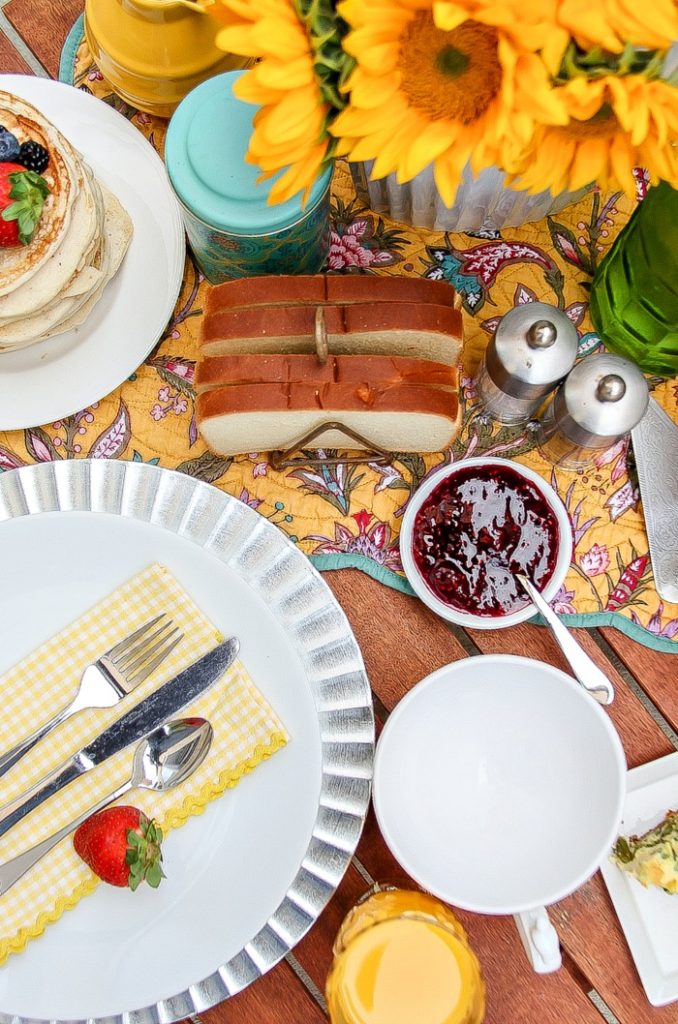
column 141, row 720
column 655, row 446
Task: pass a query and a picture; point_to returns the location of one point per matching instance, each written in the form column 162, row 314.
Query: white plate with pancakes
column 129, row 303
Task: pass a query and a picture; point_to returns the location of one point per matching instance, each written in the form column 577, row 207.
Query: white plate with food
column 247, row 878
column 50, row 379
column 649, row 916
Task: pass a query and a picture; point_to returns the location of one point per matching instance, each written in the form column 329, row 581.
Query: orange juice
column 402, row 957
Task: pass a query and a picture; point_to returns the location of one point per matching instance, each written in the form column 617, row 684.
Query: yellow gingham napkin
column 246, row 731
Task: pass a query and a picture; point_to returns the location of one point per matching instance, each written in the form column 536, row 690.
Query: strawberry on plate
column 122, row 846
column 22, row 197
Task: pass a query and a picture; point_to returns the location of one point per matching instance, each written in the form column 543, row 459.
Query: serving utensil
column 140, row 721
column 108, row 679
column 655, row 446
column 162, row 761
column 584, row 667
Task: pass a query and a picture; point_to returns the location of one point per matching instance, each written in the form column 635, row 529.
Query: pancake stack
column 50, row 285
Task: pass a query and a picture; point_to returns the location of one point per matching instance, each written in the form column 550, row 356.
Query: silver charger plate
column 70, row 532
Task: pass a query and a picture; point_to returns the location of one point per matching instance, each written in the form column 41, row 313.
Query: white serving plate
column 58, row 377
column 649, row 917
column 248, row 878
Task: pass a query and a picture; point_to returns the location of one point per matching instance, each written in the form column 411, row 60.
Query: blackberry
column 32, row 156
column 9, row 147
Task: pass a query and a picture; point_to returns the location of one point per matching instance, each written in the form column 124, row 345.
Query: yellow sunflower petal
column 282, row 75
column 447, row 179
column 247, row 88
column 369, row 91
column 238, row 39
column 297, row 177
column 431, row 142
column 589, row 160
column 392, row 147
column 379, row 58
column 534, row 93
column 352, row 121
column 279, row 38
column 296, row 113
column 448, row 15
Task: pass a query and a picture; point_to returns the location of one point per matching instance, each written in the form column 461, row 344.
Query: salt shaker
column 533, row 348
column 600, row 401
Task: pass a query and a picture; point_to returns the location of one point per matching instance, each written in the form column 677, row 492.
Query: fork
column 110, row 678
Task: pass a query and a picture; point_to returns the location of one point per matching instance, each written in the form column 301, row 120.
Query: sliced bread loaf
column 265, row 417
column 417, row 330
column 234, row 370
column 318, row 289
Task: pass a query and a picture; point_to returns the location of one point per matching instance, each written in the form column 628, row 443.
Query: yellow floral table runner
column 349, row 515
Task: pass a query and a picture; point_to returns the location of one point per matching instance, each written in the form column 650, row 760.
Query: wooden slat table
column 598, row 981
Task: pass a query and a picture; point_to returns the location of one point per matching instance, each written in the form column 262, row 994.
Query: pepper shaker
column 533, row 348
column 600, row 401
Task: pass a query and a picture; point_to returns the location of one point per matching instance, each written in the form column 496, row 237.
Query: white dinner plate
column 649, row 917
column 246, row 879
column 58, row 377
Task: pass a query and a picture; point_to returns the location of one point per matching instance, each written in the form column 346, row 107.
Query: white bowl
column 499, row 784
column 458, row 615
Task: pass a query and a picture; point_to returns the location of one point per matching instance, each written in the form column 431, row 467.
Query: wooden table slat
column 655, row 671
column 277, row 998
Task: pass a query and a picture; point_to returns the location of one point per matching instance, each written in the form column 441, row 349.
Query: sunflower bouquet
column 558, row 94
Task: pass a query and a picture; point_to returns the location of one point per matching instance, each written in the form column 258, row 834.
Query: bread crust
column 234, row 370
column 320, row 289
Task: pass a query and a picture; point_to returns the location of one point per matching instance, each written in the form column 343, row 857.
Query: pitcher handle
column 540, row 940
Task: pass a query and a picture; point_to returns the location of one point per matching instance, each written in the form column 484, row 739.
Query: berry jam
column 475, row 530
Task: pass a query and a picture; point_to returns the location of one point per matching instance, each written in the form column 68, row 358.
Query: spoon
column 163, row 760
column 584, row 667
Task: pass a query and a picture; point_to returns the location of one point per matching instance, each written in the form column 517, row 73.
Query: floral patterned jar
column 231, row 228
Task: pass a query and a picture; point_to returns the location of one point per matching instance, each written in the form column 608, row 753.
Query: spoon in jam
column 584, row 667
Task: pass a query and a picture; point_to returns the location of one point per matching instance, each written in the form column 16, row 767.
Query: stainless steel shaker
column 600, row 401
column 533, row 348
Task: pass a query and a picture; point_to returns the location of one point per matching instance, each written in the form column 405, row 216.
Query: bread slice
column 319, row 289
column 234, row 370
column 418, row 330
column 265, row 417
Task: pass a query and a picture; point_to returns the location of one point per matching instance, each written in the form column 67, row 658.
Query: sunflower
column 616, row 123
column 293, row 84
column 424, row 93
column 616, row 24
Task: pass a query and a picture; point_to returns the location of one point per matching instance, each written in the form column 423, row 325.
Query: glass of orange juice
column 402, row 957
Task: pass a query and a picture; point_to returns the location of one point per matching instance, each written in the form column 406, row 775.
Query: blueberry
column 9, row 147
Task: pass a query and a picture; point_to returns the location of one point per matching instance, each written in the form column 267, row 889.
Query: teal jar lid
column 205, row 148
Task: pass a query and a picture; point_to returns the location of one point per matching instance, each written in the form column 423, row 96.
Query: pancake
column 23, row 120
column 70, row 311
column 51, row 285
column 66, row 259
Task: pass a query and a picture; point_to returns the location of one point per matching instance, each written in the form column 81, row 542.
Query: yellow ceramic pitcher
column 153, row 52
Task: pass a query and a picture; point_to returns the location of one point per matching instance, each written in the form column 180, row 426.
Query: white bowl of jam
column 470, row 527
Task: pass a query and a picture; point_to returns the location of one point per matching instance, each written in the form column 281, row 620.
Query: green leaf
column 154, row 875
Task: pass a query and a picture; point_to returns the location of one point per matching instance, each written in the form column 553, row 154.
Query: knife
column 655, row 446
column 141, row 720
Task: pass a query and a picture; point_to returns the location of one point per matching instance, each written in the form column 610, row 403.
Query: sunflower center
column 451, row 61
column 453, row 75
column 602, row 125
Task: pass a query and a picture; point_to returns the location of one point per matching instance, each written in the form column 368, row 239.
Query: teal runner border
column 69, row 51
column 325, row 563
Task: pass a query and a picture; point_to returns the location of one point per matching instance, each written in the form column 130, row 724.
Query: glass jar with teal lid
column 231, row 228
